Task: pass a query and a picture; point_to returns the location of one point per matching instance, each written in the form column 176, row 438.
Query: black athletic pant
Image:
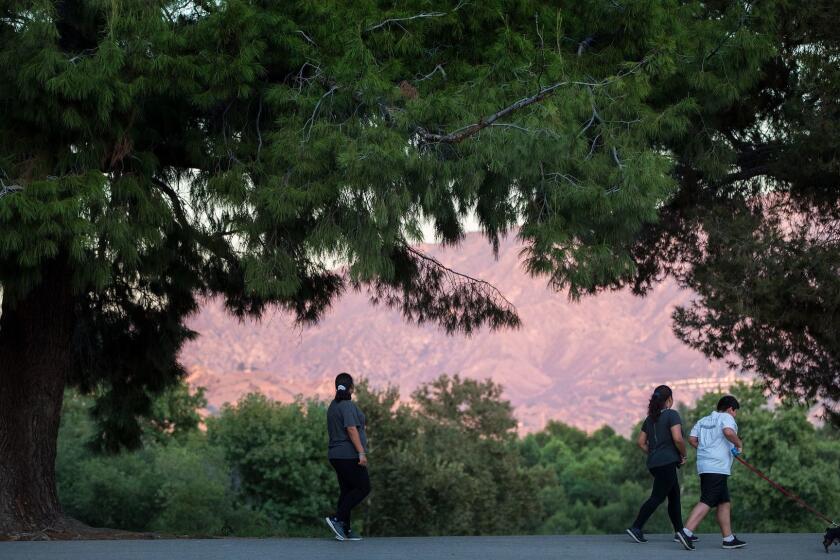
column 665, row 485
column 354, row 483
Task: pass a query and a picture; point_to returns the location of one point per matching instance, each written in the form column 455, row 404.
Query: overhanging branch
column 173, row 197
column 417, row 16
column 426, row 291
column 216, row 244
column 465, row 132
column 9, row 189
column 490, row 287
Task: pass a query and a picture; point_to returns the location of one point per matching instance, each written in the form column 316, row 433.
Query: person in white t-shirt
column 715, row 436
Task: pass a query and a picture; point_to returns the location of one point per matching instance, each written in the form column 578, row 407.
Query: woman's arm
column 677, row 436
column 642, row 442
column 353, row 434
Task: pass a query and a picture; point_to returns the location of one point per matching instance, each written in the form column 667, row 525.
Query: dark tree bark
column 35, row 354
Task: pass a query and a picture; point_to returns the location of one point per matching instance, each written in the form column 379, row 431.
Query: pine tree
column 153, row 153
column 754, row 227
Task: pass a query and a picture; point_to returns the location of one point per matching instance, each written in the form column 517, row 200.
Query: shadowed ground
column 611, row 547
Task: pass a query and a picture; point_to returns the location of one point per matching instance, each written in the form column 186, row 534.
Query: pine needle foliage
column 754, row 227
column 162, row 151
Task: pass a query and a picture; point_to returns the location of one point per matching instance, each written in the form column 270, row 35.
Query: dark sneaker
column 637, row 535
column 350, row 535
column 692, row 538
column 685, row 540
column 735, row 543
column 337, row 527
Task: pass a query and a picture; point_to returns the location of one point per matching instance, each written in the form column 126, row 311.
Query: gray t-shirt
column 661, row 448
column 340, row 416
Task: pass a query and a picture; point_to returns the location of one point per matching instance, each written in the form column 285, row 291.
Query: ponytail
column 657, row 402
column 343, row 386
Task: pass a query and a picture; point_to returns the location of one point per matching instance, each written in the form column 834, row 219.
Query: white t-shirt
column 714, row 451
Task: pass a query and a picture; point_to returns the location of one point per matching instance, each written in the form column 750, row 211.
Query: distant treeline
column 451, row 463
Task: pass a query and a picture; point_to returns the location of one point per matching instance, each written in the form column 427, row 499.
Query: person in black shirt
column 662, row 440
column 348, row 456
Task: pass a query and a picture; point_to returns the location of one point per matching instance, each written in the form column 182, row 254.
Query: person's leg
column 346, row 482
column 661, row 486
column 334, row 522
column 358, row 487
column 360, row 490
column 709, row 498
column 696, row 517
column 724, row 514
column 342, row 485
column 674, row 507
column 730, row 541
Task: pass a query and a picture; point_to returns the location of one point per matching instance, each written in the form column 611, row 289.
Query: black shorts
column 714, row 489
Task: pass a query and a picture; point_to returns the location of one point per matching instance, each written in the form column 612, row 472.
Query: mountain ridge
column 586, row 363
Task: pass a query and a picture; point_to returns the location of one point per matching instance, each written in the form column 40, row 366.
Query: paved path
column 611, row 547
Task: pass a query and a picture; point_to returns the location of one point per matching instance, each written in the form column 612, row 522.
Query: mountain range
column 586, row 363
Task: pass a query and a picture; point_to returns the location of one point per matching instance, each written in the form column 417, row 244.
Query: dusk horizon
column 588, row 363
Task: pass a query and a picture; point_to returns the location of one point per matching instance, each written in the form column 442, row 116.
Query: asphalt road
column 611, row 547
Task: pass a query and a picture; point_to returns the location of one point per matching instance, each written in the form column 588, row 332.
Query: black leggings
column 665, row 485
column 354, row 483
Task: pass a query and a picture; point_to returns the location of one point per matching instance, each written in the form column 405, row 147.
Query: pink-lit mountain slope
column 588, row 363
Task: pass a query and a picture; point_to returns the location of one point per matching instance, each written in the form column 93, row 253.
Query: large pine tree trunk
column 35, row 354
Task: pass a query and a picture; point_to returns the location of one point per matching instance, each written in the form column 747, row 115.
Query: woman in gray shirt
column 662, row 441
column 348, row 456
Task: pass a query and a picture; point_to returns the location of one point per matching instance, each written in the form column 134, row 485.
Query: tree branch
column 545, row 131
column 173, row 197
column 307, row 37
column 440, row 265
column 616, row 158
column 6, row 190
column 397, row 20
column 311, row 120
column 216, row 244
column 727, row 37
column 259, row 134
column 438, row 68
column 425, row 291
column 746, row 174
column 418, row 16
column 465, row 132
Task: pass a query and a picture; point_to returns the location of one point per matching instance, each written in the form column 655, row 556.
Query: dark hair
column 657, row 401
column 727, row 402
column 346, row 381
